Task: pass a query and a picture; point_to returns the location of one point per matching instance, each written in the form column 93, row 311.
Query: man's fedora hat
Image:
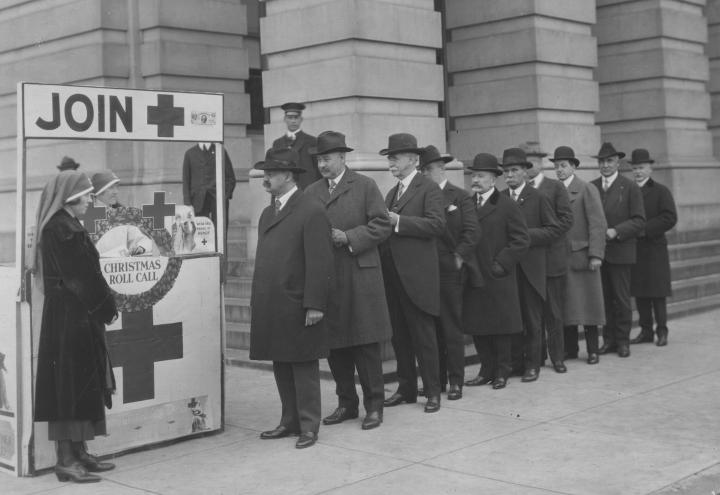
column 532, row 148
column 430, row 154
column 640, row 155
column 607, row 150
column 565, row 153
column 280, row 159
column 485, row 162
column 329, row 142
column 68, row 163
column 401, row 143
column 104, row 180
column 515, row 156
column 293, row 107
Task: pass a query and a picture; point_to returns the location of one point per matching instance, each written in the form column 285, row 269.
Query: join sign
column 83, row 112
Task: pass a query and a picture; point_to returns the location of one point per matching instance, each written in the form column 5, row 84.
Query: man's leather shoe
column 560, row 367
column 279, row 432
column 373, row 419
column 608, row 347
column 499, row 383
column 421, row 390
column 339, row 415
column 593, row 358
column 396, row 399
column 644, row 337
column 455, row 392
column 531, row 375
column 433, row 404
column 478, row 380
column 623, row 350
column 662, row 338
column 306, row 440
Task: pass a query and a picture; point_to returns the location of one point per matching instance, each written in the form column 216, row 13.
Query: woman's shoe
column 90, row 462
column 76, row 473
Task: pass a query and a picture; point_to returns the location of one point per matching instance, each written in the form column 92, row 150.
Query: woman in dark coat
column 74, row 375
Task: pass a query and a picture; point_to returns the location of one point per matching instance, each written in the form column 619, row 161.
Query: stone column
column 367, row 69
column 713, row 51
column 653, row 75
column 521, row 70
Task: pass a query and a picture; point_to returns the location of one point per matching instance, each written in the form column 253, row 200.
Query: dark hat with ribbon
column 607, row 150
column 329, row 142
column 485, row 162
column 68, row 163
column 565, row 153
column 532, row 148
column 401, row 143
column 280, row 159
column 293, row 107
column 101, row 181
column 430, row 154
column 515, row 156
column 640, row 155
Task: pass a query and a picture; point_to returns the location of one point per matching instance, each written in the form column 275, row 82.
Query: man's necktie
column 478, row 202
column 531, row 182
column 278, row 205
column 331, row 186
column 514, row 194
column 606, row 184
column 401, row 190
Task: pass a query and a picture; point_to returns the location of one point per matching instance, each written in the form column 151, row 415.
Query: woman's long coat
column 357, row 309
column 293, row 273
column 651, row 272
column 584, row 303
column 494, row 309
column 74, row 377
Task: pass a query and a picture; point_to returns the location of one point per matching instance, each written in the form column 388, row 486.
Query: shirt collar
column 291, row 134
column 204, row 146
column 407, row 180
column 284, row 198
column 538, row 180
column 568, row 180
column 338, row 178
column 443, row 184
column 518, row 190
column 643, row 182
column 610, row 180
column 486, row 195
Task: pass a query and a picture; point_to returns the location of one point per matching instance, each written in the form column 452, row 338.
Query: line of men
column 339, row 269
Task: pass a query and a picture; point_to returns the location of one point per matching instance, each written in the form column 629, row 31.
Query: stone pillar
column 521, row 70
column 653, row 75
column 367, row 69
column 713, row 51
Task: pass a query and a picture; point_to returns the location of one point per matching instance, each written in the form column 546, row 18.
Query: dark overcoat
column 302, row 144
column 293, row 273
column 544, row 229
column 557, row 252
column 73, row 375
column 412, row 244
column 584, row 303
column 357, row 310
column 494, row 309
column 624, row 212
column 460, row 236
column 199, row 176
column 650, row 275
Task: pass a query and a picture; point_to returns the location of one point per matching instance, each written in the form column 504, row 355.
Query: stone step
column 694, row 267
column 698, row 249
column 678, row 309
column 237, row 335
column 237, row 309
column 240, row 267
column 238, row 287
column 696, row 287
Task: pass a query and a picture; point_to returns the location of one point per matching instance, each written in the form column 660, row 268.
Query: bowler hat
column 430, row 154
column 68, row 163
column 565, row 153
column 532, row 148
column 401, row 143
column 101, row 181
column 607, row 150
column 293, row 107
column 485, row 162
column 640, row 155
column 515, row 156
column 328, row 142
column 280, row 159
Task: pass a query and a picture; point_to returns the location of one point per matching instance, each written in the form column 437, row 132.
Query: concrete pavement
column 643, row 425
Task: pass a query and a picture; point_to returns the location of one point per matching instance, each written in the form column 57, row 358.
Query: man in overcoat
column 293, row 274
column 650, row 275
column 199, row 190
column 557, row 256
column 410, row 271
column 299, row 141
column 357, row 318
column 544, row 229
column 584, row 304
column 625, row 216
column 456, row 253
column 491, row 313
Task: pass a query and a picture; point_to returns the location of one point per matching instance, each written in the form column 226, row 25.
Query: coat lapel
column 411, row 191
column 344, row 186
column 286, row 210
column 574, row 189
column 489, row 206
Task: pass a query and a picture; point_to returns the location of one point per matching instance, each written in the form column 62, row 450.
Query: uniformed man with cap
column 300, row 142
column 292, row 278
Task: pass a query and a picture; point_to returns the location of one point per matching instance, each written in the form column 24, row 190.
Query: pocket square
column 451, row 208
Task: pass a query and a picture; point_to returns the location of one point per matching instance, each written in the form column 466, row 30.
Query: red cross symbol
column 166, row 116
column 159, row 210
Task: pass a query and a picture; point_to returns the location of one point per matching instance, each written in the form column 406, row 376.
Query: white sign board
column 82, row 112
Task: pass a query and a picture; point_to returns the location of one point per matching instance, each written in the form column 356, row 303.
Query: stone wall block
column 471, row 12
column 210, row 15
column 190, row 59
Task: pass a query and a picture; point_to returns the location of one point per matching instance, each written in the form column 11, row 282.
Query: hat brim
column 574, row 161
column 339, row 149
column 522, row 164
column 79, row 194
column 539, row 154
column 388, row 151
column 498, row 172
column 444, row 159
column 106, row 186
column 619, row 154
column 641, row 161
column 269, row 166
